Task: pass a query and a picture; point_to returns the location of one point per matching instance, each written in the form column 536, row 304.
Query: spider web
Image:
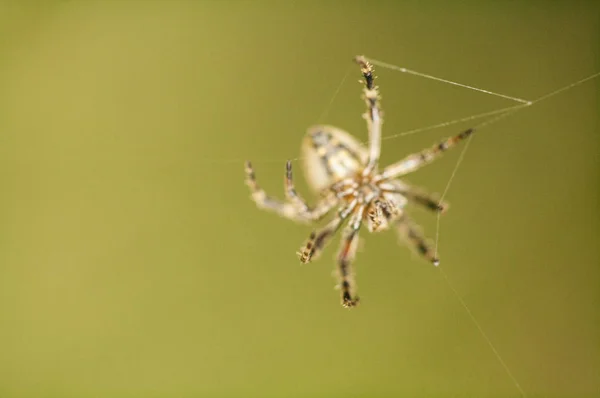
column 490, row 118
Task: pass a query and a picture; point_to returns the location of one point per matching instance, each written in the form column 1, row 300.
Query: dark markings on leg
column 345, row 258
column 319, row 239
column 416, row 161
column 290, row 190
column 295, row 208
column 373, row 115
column 416, row 195
column 367, row 71
column 411, row 234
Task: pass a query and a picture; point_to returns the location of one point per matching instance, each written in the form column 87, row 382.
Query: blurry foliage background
column 133, row 264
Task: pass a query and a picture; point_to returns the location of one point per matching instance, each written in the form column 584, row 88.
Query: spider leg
column 290, row 190
column 318, row 239
column 289, row 209
column 373, row 115
column 345, row 257
column 415, row 194
column 410, row 233
column 418, row 160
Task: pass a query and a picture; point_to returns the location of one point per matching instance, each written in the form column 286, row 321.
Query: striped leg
column 345, row 258
column 373, row 115
column 410, row 233
column 295, row 208
column 416, row 195
column 290, row 190
column 318, row 239
column 418, row 160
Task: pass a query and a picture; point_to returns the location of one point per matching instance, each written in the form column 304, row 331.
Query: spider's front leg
column 418, row 160
column 318, row 239
column 416, row 195
column 295, row 208
column 345, row 257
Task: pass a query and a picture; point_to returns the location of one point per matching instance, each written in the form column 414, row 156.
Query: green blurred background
column 133, row 264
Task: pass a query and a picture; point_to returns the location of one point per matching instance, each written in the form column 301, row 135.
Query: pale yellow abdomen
column 330, row 154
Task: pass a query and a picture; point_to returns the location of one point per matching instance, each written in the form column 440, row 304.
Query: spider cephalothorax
column 345, row 173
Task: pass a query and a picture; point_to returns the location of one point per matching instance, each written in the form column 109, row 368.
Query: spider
column 345, row 174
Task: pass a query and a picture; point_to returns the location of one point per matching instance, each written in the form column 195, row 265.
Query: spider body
column 332, row 157
column 345, row 174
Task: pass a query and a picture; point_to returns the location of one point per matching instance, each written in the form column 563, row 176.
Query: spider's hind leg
column 290, row 190
column 295, row 208
column 263, row 201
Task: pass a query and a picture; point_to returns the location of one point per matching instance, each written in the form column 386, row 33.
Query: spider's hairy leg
column 416, row 195
column 410, row 233
column 290, row 189
column 346, row 256
column 373, row 115
column 418, row 160
column 318, row 239
column 289, row 209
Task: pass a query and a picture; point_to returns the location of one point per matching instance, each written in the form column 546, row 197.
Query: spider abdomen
column 331, row 154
